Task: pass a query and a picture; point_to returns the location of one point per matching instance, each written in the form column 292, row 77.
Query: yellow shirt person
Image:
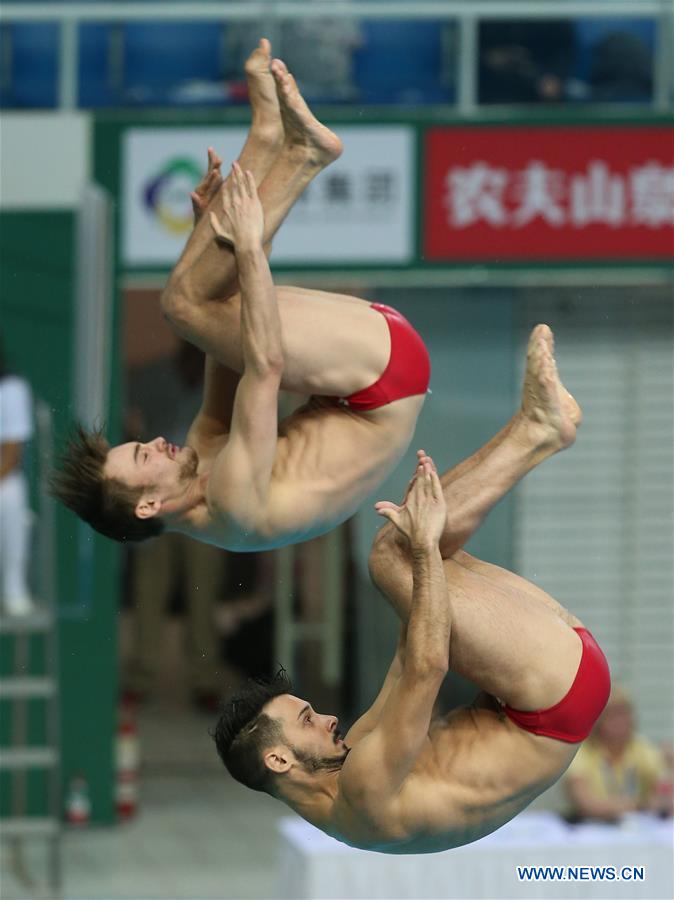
column 615, row 771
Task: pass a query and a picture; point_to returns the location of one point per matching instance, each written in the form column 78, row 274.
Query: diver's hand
column 423, row 514
column 242, row 222
column 207, row 188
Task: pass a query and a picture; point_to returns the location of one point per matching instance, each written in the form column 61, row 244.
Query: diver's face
column 156, row 464
column 314, row 738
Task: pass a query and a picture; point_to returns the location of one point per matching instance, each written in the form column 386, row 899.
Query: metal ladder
column 293, row 627
column 292, row 630
column 19, row 689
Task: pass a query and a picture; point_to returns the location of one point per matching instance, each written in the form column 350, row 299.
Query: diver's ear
column 147, row 507
column 277, row 760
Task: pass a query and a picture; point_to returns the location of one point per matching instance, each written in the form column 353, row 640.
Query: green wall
column 37, row 294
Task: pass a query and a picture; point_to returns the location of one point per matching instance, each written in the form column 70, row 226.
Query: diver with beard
column 403, row 780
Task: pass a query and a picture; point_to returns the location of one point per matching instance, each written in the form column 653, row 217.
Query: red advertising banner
column 555, row 193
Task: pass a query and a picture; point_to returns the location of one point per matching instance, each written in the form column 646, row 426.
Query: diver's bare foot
column 549, row 415
column 302, row 128
column 262, row 92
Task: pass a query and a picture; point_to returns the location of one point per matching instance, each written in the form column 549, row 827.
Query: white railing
column 362, row 9
column 467, row 13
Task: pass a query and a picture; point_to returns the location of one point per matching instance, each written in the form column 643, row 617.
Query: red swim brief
column 573, row 718
column 408, row 371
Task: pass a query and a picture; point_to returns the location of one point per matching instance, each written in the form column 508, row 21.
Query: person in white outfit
column 16, row 429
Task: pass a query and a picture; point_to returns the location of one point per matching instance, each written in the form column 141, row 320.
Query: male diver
column 402, row 779
column 243, row 480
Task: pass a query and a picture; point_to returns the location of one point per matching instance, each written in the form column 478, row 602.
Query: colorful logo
column 167, row 195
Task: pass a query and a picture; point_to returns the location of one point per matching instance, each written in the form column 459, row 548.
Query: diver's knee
column 176, row 304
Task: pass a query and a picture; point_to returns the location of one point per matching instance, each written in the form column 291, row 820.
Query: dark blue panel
column 591, row 31
column 159, row 57
column 615, row 58
column 99, row 80
column 32, row 79
column 401, row 62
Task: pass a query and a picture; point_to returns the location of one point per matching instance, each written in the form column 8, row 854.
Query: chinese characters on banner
column 508, row 193
column 360, row 210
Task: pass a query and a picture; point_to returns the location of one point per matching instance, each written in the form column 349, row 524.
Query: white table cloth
column 313, row 866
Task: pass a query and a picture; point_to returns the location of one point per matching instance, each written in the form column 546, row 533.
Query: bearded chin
column 189, row 467
column 312, row 763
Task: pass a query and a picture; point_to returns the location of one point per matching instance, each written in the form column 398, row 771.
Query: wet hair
column 107, row 504
column 244, row 731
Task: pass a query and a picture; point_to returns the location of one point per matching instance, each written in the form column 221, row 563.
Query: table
column 314, row 866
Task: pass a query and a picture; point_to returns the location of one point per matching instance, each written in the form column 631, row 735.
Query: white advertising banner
column 160, row 167
column 359, row 211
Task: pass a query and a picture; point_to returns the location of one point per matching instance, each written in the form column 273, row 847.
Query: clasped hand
column 242, row 223
column 423, row 514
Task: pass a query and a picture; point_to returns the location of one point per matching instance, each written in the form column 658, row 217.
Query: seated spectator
column 318, row 51
column 622, row 69
column 525, row 62
column 616, row 771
